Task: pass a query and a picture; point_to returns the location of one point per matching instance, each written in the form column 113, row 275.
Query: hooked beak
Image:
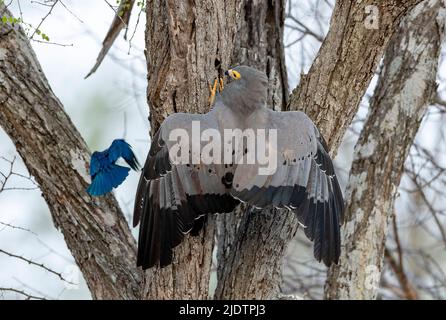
column 228, row 74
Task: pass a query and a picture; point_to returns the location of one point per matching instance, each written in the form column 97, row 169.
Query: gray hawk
column 173, row 198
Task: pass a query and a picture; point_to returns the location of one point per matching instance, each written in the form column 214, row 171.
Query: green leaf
column 45, row 37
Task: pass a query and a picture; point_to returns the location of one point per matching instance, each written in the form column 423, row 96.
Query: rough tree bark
column 94, row 229
column 405, row 89
column 183, row 41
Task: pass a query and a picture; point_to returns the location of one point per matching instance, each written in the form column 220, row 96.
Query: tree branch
column 120, row 21
column 95, row 230
column 331, row 91
column 40, row 265
column 23, row 293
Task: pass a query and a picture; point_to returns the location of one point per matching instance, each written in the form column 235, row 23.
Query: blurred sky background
column 111, row 104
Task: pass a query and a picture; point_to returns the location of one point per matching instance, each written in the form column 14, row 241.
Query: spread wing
column 304, row 182
column 120, row 148
column 105, row 174
column 172, row 198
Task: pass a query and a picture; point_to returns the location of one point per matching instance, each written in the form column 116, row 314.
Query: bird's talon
column 222, row 85
column 213, row 90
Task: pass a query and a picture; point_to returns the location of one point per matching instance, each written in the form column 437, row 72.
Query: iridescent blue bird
column 105, row 174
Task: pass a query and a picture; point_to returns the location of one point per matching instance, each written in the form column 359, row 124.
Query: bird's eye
column 236, row 75
column 233, row 74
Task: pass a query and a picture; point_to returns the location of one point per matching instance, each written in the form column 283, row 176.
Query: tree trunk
column 94, row 229
column 405, row 89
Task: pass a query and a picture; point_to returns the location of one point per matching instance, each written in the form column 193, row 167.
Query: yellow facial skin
column 234, row 74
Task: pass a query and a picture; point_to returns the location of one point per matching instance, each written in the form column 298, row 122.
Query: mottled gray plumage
column 173, row 200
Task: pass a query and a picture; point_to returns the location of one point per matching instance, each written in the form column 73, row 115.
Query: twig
column 407, row 288
column 71, row 12
column 27, row 295
column 304, row 27
column 44, row 18
column 36, row 291
column 16, row 227
column 398, row 268
column 40, row 265
column 53, row 43
column 11, row 173
column 136, row 27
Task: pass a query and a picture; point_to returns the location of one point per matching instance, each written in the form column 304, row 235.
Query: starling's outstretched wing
column 172, row 198
column 105, row 174
column 120, row 148
column 304, row 182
